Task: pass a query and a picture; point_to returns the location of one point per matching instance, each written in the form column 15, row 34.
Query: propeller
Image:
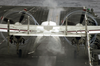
column 71, row 23
column 6, row 20
column 22, row 17
column 11, row 21
column 82, row 18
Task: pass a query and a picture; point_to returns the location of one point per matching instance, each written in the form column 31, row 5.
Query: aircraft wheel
column 20, row 53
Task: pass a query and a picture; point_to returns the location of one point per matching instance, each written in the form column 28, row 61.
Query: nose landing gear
column 19, row 52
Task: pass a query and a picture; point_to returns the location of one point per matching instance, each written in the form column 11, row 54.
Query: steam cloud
column 55, row 46
column 52, row 44
column 50, row 3
column 54, row 11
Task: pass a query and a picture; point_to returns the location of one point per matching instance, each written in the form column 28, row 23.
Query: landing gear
column 19, row 52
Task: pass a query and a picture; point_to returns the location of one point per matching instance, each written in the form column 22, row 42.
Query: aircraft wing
column 39, row 30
